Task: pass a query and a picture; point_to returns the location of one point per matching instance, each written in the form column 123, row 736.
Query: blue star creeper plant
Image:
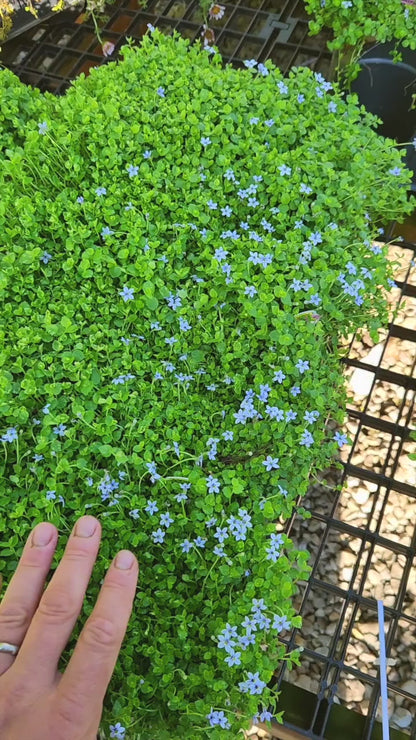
column 176, row 273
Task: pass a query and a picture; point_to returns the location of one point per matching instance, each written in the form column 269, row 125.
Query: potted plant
column 357, row 24
column 184, row 244
column 374, row 47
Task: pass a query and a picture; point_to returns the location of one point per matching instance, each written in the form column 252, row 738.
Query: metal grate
column 53, row 53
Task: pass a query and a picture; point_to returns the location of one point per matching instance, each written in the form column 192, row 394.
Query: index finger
column 89, row 670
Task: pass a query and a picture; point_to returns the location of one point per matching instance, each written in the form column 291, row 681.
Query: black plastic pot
column 386, row 88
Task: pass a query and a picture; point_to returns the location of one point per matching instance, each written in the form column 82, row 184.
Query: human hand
column 37, row 702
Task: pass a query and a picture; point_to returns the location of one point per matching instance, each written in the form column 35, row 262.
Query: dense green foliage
column 183, row 245
column 356, row 21
column 19, row 104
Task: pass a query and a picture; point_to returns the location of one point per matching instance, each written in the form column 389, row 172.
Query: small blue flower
column 269, row 123
column 315, row 300
column 205, row 140
column 218, row 718
column 161, row 91
column 295, row 390
column 106, row 232
column 311, row 416
column 184, row 325
column 134, row 513
column 301, row 98
column 147, row 154
column 213, row 484
column 250, row 290
column 279, row 377
column 249, row 624
column 46, row 257
column 101, row 191
column 158, row 536
column 80, row 199
column 271, row 463
column 211, row 522
column 341, row 439
column 302, row 365
column 173, row 301
column 38, row 458
column 275, row 413
column 234, row 659
column 129, row 206
column 263, row 70
column 43, row 127
column 219, row 551
column 199, row 541
column 50, row 495
column 284, row 170
column 152, row 507
column 253, row 685
column 221, row 534
column 250, row 63
column 226, row 211
column 254, row 122
column 133, row 170
column 291, row 415
column 332, row 107
column 306, row 439
column 117, row 731
column 280, row 623
column 396, row 171
column 60, row 430
column 166, row 520
column 127, row 294
column 264, row 392
column 186, row 546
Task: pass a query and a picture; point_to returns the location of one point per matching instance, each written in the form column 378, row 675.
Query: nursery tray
column 53, row 53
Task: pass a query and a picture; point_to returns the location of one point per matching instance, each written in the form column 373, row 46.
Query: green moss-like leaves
column 140, row 364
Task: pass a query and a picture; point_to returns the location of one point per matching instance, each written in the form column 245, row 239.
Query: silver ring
column 6, row 647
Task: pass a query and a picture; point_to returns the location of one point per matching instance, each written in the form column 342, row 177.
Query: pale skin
column 37, row 702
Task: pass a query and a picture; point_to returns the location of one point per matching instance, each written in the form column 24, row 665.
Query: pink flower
column 107, row 48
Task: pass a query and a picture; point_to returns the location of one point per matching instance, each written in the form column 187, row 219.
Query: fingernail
column 42, row 535
column 124, row 560
column 85, row 527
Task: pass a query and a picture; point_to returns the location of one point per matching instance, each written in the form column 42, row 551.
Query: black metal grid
column 50, row 55
column 317, row 715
